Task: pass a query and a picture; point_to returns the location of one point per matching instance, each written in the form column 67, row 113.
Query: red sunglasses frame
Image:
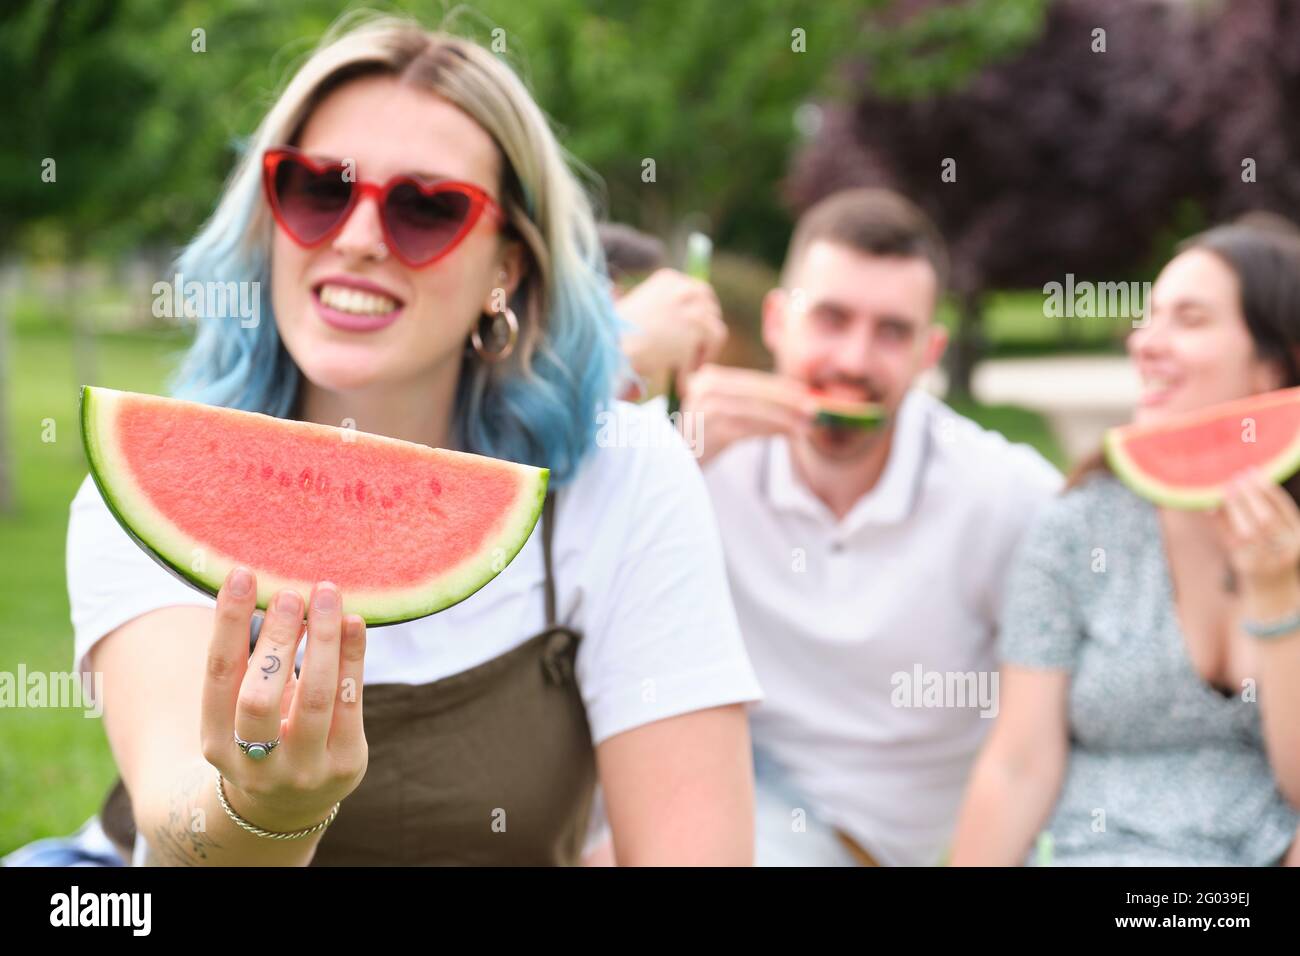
column 479, row 200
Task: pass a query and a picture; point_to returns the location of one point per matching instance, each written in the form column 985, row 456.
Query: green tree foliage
column 1126, row 124
column 143, row 126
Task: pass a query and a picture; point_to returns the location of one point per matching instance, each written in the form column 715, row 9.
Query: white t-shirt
column 833, row 612
column 638, row 567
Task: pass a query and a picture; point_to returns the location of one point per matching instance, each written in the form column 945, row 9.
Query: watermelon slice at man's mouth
column 404, row 530
column 834, row 412
column 1186, row 460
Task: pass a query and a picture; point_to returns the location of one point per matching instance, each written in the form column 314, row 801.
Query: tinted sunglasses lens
column 310, row 202
column 422, row 225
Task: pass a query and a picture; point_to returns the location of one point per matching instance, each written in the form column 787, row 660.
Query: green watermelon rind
column 378, row 608
column 834, row 419
column 1201, row 498
column 840, row 413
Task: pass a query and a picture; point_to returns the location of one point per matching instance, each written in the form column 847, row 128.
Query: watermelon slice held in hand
column 1186, row 460
column 842, row 413
column 404, row 530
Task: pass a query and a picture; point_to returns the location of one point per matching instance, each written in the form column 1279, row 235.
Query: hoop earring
column 476, row 340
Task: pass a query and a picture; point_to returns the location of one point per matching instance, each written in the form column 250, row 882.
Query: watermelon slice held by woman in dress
column 1186, row 460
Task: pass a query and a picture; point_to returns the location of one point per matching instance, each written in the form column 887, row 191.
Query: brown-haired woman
column 1141, row 722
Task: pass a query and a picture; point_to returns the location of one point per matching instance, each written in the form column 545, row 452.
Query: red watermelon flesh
column 404, row 530
column 1186, row 460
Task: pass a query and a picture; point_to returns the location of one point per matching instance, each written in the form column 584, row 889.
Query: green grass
column 55, row 765
column 1017, row 424
column 1014, row 325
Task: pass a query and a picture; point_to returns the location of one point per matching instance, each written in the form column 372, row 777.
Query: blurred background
column 1053, row 141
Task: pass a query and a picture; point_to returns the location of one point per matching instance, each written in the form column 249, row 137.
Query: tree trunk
column 968, row 344
column 84, row 363
column 8, row 494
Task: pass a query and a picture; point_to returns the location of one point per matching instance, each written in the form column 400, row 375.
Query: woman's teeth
column 355, row 301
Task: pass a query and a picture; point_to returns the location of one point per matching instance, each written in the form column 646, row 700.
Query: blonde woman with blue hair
column 428, row 268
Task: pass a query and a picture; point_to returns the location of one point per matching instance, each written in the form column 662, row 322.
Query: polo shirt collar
column 889, row 502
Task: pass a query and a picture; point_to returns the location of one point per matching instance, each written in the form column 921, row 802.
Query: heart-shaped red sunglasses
column 422, row 221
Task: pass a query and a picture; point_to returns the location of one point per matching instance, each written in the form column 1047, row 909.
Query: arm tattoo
column 176, row 842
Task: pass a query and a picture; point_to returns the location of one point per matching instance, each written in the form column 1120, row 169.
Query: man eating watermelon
column 866, row 527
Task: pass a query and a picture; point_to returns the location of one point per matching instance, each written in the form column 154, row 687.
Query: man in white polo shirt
column 866, row 566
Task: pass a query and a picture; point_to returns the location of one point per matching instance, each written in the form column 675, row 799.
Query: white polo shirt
column 639, row 572
column 849, row 623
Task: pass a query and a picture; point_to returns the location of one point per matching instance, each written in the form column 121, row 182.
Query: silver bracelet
column 270, row 834
column 1268, row 630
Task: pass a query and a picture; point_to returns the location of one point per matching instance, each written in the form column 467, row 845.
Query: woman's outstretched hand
column 321, row 755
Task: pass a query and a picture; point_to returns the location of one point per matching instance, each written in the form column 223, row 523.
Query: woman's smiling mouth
column 355, row 305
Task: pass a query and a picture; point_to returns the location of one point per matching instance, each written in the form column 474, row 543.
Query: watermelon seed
column 434, row 486
column 267, row 471
column 386, row 501
column 305, row 479
column 285, row 480
column 361, row 491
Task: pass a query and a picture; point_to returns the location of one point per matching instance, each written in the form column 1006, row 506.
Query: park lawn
column 1017, row 424
column 55, row 764
column 1015, row 325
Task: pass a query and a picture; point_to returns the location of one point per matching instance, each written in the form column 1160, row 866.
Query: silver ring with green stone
column 257, row 749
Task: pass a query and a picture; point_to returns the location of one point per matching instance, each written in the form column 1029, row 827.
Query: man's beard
column 833, row 443
column 847, row 387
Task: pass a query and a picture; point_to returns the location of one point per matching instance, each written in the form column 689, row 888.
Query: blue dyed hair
column 541, row 405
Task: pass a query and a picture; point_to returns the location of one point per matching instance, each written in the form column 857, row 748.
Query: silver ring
column 256, row 749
